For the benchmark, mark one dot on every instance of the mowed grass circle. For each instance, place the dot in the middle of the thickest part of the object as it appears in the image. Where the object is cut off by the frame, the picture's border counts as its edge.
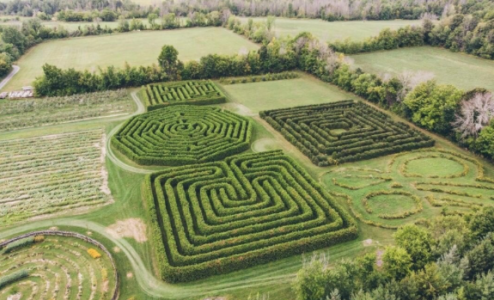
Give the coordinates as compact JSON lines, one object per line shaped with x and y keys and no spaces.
{"x":183,"y":134}
{"x":434,"y":166}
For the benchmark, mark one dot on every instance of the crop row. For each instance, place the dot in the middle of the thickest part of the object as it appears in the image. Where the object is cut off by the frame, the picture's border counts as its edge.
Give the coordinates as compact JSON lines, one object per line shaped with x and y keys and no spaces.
{"x":50,"y":174}
{"x":180,"y":93}
{"x":181,"y":134}
{"x":218,"y":217}
{"x":344,"y":131}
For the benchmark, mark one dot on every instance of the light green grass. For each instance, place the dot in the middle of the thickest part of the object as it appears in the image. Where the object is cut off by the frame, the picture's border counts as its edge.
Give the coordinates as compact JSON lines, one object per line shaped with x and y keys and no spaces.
{"x":434,"y":167}
{"x":284,"y":93}
{"x":137,"y":48}
{"x":333,"y":31}
{"x":461,"y":70}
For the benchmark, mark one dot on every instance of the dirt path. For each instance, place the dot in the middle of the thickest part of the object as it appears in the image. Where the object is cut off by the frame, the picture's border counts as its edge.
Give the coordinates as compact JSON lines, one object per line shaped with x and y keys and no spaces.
{"x":6,"y":80}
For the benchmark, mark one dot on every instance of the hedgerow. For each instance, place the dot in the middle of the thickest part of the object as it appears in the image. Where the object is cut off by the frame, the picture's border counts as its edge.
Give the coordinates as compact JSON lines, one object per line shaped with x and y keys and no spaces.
{"x":218,"y":217}
{"x":366,"y":132}
{"x":259,"y":78}
{"x":181,"y":92}
{"x":182,"y":134}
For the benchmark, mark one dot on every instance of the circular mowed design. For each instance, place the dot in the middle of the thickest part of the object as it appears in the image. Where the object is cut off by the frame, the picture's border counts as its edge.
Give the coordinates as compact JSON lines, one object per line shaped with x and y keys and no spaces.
{"x":183,"y":134}
{"x":56,"y":267}
{"x":435,"y":166}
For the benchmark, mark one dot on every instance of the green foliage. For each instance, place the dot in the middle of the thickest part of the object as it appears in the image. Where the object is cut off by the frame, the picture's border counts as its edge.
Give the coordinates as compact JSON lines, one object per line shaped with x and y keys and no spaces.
{"x":482,"y":223}
{"x":396,"y":262}
{"x":168,"y":60}
{"x":310,"y":282}
{"x":18,"y":244}
{"x":215,"y":218}
{"x":310,"y":128}
{"x":484,"y":144}
{"x":417,"y":242}
{"x":260,"y":78}
{"x":179,"y":135}
{"x":180,"y":93}
{"x":433,"y":106}
{"x":13,"y":277}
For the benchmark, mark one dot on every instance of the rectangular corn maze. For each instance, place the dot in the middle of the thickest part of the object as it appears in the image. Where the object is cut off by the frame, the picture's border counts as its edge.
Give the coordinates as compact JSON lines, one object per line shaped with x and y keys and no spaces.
{"x":344,"y":131}
{"x":199,"y":92}
{"x":213,"y":218}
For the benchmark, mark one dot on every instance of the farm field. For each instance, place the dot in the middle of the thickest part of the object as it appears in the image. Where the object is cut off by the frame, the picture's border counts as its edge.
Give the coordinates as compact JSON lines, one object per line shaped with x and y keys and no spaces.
{"x":56,"y":267}
{"x":259,"y":96}
{"x":28,"y":113}
{"x":458,"y":69}
{"x":106,"y":50}
{"x":334,"y":31}
{"x":52,"y":174}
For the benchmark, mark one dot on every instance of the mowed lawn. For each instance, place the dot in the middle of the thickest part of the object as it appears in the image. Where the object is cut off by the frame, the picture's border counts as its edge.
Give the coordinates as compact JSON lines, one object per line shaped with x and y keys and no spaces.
{"x":306,"y":90}
{"x":137,"y":48}
{"x":333,"y":31}
{"x":461,"y":70}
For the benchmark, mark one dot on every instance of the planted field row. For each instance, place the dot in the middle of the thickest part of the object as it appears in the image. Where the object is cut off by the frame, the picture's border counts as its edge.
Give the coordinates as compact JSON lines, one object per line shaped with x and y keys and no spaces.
{"x":55,"y":268}
{"x":181,"y":92}
{"x":18,"y":114}
{"x":344,"y":131}
{"x":414,"y":186}
{"x":181,"y":134}
{"x":214,"y":218}
{"x":51,"y":174}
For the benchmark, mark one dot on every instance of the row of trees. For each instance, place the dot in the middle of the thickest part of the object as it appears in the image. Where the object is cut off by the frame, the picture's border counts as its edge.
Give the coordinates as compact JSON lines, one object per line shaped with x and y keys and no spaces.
{"x":449,"y":258}
{"x":325,"y":9}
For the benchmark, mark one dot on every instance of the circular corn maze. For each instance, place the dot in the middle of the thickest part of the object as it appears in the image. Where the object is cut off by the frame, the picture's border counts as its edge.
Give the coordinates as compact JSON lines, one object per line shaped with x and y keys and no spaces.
{"x":213,"y":218}
{"x":179,"y":135}
{"x":51,"y":266}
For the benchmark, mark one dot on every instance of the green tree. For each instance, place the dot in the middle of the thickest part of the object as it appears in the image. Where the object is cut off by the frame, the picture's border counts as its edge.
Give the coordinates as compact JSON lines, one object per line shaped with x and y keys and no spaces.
{"x":168,"y":60}
{"x":485,"y":141}
{"x":152,"y":19}
{"x":310,"y":282}
{"x":396,"y":262}
{"x":482,"y":222}
{"x":434,"y":106}
{"x":417,"y":242}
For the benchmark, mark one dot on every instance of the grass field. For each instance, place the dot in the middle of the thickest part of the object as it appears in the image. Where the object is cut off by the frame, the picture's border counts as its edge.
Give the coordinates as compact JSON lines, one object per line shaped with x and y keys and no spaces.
{"x":333,"y":31}
{"x":306,"y":90}
{"x":461,"y":70}
{"x":101,"y":51}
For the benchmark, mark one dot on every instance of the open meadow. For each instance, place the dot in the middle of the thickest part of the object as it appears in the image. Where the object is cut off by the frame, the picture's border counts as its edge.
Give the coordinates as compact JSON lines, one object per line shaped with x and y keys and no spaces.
{"x":101,"y":51}
{"x":334,"y":31}
{"x":461,"y":70}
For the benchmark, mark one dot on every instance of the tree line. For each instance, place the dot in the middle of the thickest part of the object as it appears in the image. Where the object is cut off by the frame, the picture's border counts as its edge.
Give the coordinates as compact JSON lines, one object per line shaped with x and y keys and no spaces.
{"x":446,"y":258}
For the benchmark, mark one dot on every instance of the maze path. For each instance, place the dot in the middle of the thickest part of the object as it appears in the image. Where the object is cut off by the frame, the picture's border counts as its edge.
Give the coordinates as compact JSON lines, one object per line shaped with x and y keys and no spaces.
{"x":181,"y":92}
{"x":58,"y":268}
{"x":344,"y":131}
{"x":250,"y":209}
{"x":179,"y":135}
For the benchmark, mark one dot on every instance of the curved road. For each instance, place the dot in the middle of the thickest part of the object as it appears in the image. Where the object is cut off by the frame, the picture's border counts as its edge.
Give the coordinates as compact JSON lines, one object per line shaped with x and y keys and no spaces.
{"x":11,"y":74}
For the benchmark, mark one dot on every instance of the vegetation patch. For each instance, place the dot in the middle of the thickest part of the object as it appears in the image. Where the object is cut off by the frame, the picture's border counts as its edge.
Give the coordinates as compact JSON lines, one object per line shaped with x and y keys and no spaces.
{"x":259,"y":78}
{"x":367,"y":133}
{"x":51,"y":174}
{"x":57,"y":267}
{"x":181,"y":134}
{"x":19,"y":114}
{"x":180,"y":93}
{"x":218,"y":217}
{"x":378,"y":203}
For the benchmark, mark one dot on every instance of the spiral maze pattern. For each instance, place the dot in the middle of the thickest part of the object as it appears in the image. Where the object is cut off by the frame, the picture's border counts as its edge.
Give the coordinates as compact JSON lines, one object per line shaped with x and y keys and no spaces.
{"x":344,"y":131}
{"x":181,"y":92}
{"x":57,"y":268}
{"x":179,"y":135}
{"x":247,"y":210}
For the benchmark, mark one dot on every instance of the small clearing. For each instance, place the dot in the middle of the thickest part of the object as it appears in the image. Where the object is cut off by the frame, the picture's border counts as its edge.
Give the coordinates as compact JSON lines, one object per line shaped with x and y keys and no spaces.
{"x":129,"y":228}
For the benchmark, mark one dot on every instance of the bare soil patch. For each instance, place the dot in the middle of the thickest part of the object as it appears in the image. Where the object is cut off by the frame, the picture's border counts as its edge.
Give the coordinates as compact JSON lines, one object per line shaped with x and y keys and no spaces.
{"x":130,"y":228}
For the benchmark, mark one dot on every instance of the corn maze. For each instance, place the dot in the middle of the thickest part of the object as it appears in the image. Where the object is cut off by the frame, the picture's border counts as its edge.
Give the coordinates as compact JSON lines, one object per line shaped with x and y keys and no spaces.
{"x":249,"y":209}
{"x":53,"y":267}
{"x":344,"y":131}
{"x":180,"y":93}
{"x":179,"y":135}
{"x":412,"y":187}
{"x":51,"y":174}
